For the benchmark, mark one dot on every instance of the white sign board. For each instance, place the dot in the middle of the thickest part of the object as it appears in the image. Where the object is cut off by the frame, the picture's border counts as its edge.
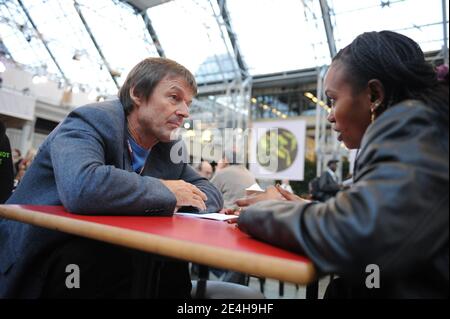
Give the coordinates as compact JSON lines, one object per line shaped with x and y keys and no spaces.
{"x":278,"y":150}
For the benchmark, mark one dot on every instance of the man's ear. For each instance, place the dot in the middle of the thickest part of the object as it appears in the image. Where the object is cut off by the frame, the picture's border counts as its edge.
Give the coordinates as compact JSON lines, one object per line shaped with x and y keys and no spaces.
{"x":377,"y":93}
{"x":136,"y":100}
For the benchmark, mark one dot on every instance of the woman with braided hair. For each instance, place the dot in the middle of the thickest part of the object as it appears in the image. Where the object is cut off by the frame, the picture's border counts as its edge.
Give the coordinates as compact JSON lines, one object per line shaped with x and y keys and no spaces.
{"x":386,"y":236}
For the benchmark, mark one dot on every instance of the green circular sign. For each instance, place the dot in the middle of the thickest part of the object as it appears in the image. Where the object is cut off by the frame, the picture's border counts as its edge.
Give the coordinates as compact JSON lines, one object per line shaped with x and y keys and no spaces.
{"x":277,"y":150}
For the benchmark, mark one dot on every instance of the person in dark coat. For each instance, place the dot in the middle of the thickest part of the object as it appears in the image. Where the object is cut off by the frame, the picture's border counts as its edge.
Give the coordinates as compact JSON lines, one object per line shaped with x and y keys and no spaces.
{"x":328,"y":183}
{"x":387,"y":235}
{"x":6,"y":166}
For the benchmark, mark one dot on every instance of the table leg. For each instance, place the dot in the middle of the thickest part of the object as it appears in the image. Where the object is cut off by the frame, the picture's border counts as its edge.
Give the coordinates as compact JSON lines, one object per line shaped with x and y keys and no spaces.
{"x":312,"y":291}
{"x":281,"y":289}
{"x":203,"y":276}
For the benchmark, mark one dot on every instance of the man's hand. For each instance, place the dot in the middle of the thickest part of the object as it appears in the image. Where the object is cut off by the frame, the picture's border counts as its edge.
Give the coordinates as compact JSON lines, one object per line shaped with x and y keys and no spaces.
{"x":186,"y":194}
{"x":271,"y":193}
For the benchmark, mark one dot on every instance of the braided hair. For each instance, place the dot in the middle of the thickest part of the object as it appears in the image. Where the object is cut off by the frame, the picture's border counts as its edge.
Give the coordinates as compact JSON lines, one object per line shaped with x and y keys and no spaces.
{"x":399,"y":64}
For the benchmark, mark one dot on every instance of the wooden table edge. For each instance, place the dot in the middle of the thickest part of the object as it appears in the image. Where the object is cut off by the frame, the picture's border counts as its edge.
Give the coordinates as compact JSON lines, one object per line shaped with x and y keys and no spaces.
{"x":257,"y":265}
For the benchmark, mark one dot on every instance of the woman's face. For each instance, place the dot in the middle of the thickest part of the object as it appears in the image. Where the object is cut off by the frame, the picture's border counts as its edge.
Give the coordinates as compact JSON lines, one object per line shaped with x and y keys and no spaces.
{"x":350,"y":114}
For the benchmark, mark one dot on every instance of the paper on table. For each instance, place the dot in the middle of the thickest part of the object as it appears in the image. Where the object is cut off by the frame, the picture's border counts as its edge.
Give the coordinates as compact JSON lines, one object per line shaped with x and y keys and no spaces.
{"x":214,"y":216}
{"x":255,"y":188}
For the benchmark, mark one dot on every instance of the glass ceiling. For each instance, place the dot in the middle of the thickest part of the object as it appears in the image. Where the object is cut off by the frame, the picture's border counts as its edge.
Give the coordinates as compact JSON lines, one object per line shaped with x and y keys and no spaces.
{"x":67,"y":39}
{"x":20,"y":39}
{"x":417,"y":19}
{"x":273,"y":35}
{"x":277,"y":36}
{"x":192,"y":33}
{"x":118,"y":31}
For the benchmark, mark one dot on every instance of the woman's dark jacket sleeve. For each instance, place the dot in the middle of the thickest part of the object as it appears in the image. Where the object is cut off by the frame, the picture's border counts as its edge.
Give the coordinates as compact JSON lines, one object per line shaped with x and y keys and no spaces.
{"x":396,"y":214}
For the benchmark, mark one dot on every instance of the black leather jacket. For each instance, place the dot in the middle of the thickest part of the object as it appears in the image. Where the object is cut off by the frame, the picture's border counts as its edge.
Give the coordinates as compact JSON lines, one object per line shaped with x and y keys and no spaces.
{"x":395,"y":216}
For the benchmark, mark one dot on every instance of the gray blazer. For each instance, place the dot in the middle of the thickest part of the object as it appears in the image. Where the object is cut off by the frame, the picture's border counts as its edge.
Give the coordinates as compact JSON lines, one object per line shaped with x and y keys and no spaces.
{"x":232,"y":182}
{"x":85,"y":166}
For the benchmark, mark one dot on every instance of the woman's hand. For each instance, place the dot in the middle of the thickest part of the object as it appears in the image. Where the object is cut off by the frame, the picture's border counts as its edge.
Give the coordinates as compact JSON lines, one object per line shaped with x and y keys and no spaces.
{"x":289,"y":196}
{"x":270,"y":194}
{"x":231,"y":211}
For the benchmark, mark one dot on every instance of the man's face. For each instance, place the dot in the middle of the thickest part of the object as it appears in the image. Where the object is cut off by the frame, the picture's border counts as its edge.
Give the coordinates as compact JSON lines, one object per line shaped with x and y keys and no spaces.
{"x":16,"y":156}
{"x":165,"y":110}
{"x":333,"y":167}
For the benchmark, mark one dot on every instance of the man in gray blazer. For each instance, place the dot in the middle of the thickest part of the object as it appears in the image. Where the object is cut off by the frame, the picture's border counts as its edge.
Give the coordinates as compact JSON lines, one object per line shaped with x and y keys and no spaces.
{"x":110,"y":158}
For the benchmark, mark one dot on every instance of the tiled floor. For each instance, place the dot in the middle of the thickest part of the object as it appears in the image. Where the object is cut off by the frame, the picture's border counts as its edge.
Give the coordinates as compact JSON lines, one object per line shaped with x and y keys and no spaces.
{"x":271,"y":288}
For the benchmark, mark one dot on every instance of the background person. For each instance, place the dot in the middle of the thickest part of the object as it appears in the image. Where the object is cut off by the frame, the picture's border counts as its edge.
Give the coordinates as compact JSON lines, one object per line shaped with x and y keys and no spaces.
{"x":6,"y":166}
{"x":232,"y":179}
{"x":17,"y":158}
{"x":205,"y":169}
{"x":328,"y":183}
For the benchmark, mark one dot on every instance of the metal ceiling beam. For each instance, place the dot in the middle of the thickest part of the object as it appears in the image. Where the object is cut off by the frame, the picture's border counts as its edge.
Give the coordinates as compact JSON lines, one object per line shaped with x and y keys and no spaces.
{"x":328,"y":27}
{"x":153,"y":35}
{"x":3,"y":49}
{"x":143,"y":5}
{"x":226,"y":18}
{"x":140,"y":9}
{"x":24,"y":9}
{"x":286,"y":78}
{"x":94,"y":41}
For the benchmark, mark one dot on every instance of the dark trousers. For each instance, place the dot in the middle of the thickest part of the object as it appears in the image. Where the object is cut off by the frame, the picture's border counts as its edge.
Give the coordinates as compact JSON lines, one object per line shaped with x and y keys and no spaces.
{"x":109,"y":271}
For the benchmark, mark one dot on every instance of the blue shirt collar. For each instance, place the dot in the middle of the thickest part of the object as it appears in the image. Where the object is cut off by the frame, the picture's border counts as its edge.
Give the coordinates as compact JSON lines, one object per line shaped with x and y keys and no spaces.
{"x":138,"y":155}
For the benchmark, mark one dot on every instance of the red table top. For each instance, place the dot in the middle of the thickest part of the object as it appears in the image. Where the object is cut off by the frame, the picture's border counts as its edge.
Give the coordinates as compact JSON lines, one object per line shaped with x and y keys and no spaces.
{"x":196,"y":230}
